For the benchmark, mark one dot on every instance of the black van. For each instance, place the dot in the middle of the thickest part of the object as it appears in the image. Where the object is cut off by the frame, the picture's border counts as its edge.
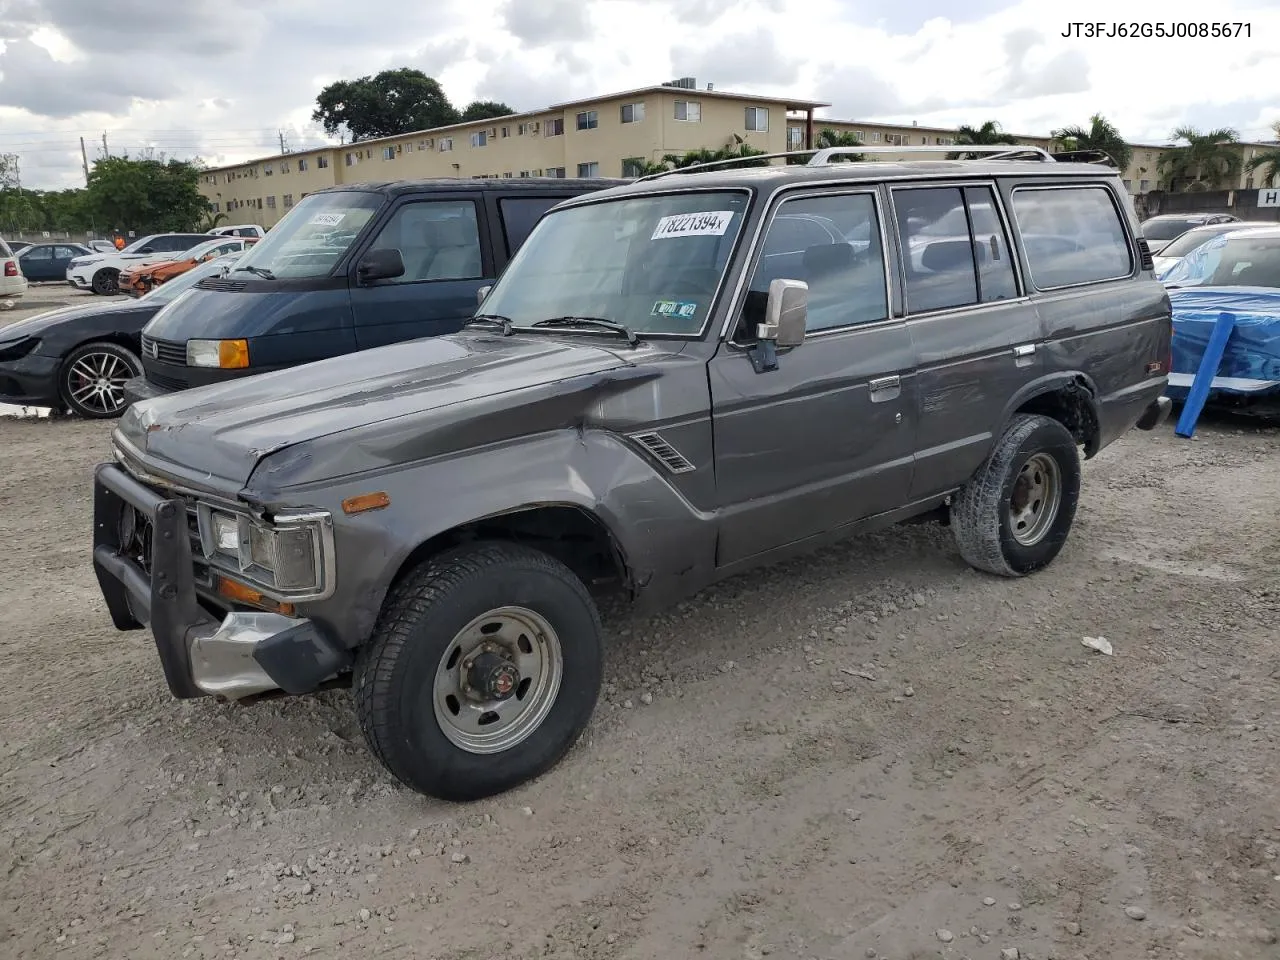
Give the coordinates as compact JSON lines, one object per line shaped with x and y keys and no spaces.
{"x":350,"y":267}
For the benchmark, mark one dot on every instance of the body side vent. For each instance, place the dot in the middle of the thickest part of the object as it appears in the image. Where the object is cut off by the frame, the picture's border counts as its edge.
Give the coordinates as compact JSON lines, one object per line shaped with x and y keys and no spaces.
{"x":1145,"y":250}
{"x":671,"y":458}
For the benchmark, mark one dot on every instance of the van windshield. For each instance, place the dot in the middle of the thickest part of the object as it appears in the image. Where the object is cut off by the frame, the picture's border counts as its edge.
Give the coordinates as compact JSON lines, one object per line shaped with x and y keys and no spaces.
{"x":313,"y":236}
{"x":651,"y":263}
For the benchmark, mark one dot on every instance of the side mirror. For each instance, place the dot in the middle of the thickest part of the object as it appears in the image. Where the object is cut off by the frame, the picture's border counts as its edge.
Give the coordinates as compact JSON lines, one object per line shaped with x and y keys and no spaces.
{"x":785,"y":314}
{"x":482,"y":293}
{"x":384,"y":264}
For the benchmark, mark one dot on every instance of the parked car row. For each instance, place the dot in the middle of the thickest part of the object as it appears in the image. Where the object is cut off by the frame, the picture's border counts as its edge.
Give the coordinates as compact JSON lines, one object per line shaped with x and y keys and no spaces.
{"x":665,"y":383}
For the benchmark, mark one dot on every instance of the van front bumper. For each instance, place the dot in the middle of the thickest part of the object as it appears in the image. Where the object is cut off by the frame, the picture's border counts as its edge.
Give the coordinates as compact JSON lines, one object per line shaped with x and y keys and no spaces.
{"x":143,"y":559}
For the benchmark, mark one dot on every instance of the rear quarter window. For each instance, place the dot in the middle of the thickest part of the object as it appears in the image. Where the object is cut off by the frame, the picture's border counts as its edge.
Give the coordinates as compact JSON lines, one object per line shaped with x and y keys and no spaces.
{"x":519,"y":214}
{"x":1071,"y":235}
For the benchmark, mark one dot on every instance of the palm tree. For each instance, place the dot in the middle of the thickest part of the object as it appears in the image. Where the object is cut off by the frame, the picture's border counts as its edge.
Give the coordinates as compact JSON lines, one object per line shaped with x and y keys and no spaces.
{"x":1268,"y":161}
{"x":989,"y":133}
{"x":1204,"y":163}
{"x":1100,"y":135}
{"x":677,"y":161}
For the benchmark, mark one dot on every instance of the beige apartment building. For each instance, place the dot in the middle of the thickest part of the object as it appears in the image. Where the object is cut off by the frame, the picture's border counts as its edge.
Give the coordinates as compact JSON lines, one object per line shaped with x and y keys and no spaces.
{"x":1144,"y":175}
{"x":609,"y":136}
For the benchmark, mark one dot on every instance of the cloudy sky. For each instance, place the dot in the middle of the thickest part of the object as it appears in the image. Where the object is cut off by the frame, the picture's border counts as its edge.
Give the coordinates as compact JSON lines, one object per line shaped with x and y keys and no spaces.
{"x":221,"y":80}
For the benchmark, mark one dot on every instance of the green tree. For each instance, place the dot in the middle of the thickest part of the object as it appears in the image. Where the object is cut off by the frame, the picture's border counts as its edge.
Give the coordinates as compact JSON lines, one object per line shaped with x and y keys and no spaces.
{"x":1268,"y":161}
{"x":1099,"y":135}
{"x":680,"y":161}
{"x":1204,"y":161}
{"x":146,"y":195}
{"x":382,"y":105}
{"x":485,"y":110}
{"x":989,"y":134}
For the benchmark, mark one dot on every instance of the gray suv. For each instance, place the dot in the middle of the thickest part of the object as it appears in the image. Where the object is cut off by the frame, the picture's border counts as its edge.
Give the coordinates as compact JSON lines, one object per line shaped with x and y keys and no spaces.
{"x":672,"y":382}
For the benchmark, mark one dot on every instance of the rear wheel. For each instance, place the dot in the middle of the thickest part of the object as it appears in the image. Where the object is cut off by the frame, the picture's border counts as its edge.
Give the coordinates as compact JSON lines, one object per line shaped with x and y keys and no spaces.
{"x":1013,"y":516}
{"x":93,"y":376}
{"x":483,"y":669}
{"x":106,"y":282}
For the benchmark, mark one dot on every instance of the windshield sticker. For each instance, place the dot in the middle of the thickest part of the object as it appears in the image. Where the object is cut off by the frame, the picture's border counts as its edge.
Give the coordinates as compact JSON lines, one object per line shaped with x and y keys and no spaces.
{"x":680,"y":309}
{"x":712,"y":223}
{"x":327,"y":219}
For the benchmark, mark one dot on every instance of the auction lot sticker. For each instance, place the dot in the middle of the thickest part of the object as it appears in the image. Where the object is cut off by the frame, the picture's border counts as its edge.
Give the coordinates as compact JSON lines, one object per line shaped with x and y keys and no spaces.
{"x":327,"y":219}
{"x":711,"y":223}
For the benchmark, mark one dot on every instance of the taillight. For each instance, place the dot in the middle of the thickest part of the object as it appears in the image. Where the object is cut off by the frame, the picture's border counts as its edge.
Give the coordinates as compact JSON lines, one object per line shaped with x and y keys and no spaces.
{"x":11,"y":268}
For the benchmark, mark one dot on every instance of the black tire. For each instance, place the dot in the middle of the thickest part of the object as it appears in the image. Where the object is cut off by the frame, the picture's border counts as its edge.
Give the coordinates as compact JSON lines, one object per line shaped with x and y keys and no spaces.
{"x":106,"y":282}
{"x":118,"y":364}
{"x":395,"y":672}
{"x":981,"y":512}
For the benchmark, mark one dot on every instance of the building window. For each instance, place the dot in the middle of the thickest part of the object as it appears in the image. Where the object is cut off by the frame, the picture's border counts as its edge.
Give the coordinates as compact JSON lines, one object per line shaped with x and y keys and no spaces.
{"x":479,"y":139}
{"x":795,"y":138}
{"x":758,"y":119}
{"x":524,"y":173}
{"x":388,"y":153}
{"x":1128,"y":186}
{"x":555,"y":127}
{"x":507,"y":176}
{"x":588,"y":120}
{"x":506,"y":132}
{"x":446,"y":144}
{"x":633,"y":167}
{"x":688,"y":110}
{"x":555,"y":172}
{"x":302,"y":164}
{"x":284,"y":166}
{"x":288,"y":200}
{"x":266,"y":170}
{"x":1248,"y":183}
{"x":351,"y":160}
{"x":322,"y":162}
{"x":1144,"y":186}
{"x":589,"y":169}
{"x":216,"y":206}
{"x":408,"y":147}
{"x":632,"y":112}
{"x":875,"y":136}
{"x":271,"y":203}
{"x":259,"y":203}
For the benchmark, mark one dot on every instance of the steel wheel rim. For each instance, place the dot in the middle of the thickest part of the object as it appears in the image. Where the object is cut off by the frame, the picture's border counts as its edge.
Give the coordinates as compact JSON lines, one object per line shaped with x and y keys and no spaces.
{"x":1034,"y":501}
{"x":96,"y":381}
{"x":476,"y":723}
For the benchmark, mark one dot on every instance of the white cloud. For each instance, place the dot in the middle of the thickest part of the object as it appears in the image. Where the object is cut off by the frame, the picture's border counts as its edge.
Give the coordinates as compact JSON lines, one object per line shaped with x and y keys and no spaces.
{"x":222,"y":86}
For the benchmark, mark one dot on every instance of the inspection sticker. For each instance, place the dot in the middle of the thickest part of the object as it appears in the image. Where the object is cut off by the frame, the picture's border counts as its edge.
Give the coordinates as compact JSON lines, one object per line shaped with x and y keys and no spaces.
{"x":327,"y":219}
{"x":711,"y":223}
{"x":681,"y":309}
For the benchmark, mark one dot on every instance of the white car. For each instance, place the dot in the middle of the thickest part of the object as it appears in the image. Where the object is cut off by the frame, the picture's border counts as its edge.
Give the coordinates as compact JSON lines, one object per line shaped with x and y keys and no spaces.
{"x":1183,"y":244}
{"x":240,"y":230}
{"x":12,"y":283}
{"x":101,"y":271}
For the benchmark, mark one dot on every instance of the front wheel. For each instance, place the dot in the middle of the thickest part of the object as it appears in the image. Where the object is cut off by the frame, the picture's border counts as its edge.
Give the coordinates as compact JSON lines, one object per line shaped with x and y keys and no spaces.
{"x":1013,"y":516}
{"x":106,"y":282}
{"x":483,"y":669}
{"x":93,"y":376}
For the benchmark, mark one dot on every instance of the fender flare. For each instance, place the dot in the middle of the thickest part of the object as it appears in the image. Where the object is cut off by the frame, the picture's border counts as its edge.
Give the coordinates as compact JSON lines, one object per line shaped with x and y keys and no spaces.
{"x":1076,"y":384}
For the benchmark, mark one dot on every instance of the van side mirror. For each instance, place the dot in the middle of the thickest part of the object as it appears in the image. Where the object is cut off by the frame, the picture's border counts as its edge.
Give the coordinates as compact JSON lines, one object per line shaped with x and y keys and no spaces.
{"x":785,"y":313}
{"x":483,"y":292}
{"x":382,"y":264}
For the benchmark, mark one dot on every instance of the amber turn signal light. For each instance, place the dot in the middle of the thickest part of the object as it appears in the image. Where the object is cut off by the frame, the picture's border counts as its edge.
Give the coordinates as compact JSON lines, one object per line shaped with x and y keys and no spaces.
{"x":240,"y":593}
{"x":364,"y":502}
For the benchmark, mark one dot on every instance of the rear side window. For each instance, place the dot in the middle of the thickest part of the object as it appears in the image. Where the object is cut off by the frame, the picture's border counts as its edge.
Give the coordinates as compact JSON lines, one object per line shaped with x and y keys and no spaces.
{"x":1071,"y":235}
{"x":519,"y":214}
{"x":957,"y":251}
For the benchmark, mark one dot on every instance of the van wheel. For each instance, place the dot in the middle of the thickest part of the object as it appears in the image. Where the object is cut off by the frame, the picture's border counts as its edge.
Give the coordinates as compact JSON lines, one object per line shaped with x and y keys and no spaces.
{"x":106,"y":282}
{"x":1014,"y":514}
{"x":483,"y":669}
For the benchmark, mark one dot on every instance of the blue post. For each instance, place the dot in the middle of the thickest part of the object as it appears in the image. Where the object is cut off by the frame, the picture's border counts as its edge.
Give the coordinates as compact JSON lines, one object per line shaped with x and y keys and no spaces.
{"x":1209,"y":364}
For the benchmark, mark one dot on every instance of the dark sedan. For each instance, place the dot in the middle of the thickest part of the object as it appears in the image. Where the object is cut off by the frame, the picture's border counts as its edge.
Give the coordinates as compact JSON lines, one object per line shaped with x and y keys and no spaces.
{"x":78,"y":358}
{"x":49,"y":261}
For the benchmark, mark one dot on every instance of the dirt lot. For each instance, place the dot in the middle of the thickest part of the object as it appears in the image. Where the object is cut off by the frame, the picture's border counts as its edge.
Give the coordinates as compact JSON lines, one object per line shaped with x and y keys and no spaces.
{"x":875,"y":752}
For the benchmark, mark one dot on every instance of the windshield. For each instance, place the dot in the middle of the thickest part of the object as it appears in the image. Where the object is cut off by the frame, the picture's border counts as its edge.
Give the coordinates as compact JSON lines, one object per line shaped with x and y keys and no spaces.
{"x":652,"y":263}
{"x":313,"y":236}
{"x":1193,"y":238}
{"x":1168,"y":229}
{"x":1230,"y":262}
{"x":140,"y":242}
{"x":185,"y":281}
{"x":195,"y":253}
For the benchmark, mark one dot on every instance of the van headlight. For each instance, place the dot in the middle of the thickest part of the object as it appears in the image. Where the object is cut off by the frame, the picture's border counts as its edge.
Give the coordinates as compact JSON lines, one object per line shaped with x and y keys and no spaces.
{"x":224,"y":354}
{"x":290,"y":559}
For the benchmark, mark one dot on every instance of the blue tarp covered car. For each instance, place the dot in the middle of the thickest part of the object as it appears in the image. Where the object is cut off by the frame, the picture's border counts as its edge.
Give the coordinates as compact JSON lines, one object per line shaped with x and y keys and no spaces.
{"x":1236,"y":273}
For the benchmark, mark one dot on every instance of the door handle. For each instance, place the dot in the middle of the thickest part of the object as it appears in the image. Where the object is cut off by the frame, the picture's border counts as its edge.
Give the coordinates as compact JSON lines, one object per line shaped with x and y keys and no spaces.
{"x":1024,"y":350}
{"x":885,"y":388}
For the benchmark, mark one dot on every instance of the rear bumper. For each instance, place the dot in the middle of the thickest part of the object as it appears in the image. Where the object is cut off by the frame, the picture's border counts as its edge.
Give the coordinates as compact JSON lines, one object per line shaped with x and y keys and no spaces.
{"x":237,"y":655}
{"x":1155,"y":414}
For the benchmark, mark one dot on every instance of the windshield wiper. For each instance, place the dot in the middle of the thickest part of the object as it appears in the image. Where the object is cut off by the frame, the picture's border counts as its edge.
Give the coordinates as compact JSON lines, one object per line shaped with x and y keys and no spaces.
{"x":262,"y":272}
{"x":590,"y":322}
{"x":493,"y":318}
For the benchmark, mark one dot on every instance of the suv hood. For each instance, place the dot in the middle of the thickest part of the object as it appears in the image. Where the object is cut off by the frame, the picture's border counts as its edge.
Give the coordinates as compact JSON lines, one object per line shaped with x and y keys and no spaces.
{"x":222,"y":431}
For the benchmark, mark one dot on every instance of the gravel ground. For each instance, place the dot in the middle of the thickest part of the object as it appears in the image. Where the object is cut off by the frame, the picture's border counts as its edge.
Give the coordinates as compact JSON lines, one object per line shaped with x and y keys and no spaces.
{"x":873,"y":752}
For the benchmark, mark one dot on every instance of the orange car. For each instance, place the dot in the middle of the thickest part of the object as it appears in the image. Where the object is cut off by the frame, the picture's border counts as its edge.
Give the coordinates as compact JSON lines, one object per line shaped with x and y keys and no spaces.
{"x":149,"y":274}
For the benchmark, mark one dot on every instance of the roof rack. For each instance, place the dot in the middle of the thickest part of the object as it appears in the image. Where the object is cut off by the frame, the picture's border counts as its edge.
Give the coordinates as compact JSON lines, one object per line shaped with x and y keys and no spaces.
{"x":821,"y":156}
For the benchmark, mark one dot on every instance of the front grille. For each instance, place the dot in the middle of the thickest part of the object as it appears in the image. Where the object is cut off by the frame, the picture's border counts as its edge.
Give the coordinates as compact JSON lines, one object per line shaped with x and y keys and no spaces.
{"x":166,"y":351}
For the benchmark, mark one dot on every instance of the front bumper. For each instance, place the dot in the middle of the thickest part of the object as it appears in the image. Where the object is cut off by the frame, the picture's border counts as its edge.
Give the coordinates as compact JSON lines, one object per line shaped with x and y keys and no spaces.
{"x":1157,"y":412}
{"x":31,"y":381}
{"x":150,"y":580}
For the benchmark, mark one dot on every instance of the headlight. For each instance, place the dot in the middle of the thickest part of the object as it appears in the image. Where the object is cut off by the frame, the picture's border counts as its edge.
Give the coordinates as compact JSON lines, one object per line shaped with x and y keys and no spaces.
{"x":290,"y":559}
{"x":224,"y":354}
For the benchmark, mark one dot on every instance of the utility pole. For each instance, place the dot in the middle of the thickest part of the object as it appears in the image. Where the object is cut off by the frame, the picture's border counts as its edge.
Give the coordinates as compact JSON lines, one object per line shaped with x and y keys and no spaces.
{"x":284,"y":148}
{"x":106,"y":153}
{"x":84,"y":158}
